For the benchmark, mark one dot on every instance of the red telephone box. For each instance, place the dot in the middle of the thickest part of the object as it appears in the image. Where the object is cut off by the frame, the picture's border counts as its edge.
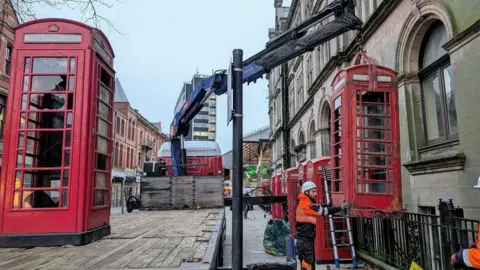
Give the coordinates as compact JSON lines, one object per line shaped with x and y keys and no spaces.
{"x":293,"y":188}
{"x":273,"y":207}
{"x":284,"y":183}
{"x":323,"y":241}
{"x":264,"y":185}
{"x":302,"y":172}
{"x":55,"y":187}
{"x":277,"y":209}
{"x":365,"y":139}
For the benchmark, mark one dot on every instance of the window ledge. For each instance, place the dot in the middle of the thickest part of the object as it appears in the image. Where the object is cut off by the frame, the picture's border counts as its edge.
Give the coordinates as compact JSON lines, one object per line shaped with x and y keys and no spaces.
{"x":441,"y":163}
{"x":299,"y":148}
{"x":440,"y":145}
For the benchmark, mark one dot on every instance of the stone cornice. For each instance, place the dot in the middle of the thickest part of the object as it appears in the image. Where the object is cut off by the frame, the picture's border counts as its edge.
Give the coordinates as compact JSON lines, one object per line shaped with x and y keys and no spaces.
{"x":439,"y":163}
{"x":277,"y":133}
{"x":464,"y":37}
{"x":407,"y":78}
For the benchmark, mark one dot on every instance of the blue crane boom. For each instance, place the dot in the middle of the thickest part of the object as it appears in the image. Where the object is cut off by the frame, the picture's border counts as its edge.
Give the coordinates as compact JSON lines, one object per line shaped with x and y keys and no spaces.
{"x":287,"y":46}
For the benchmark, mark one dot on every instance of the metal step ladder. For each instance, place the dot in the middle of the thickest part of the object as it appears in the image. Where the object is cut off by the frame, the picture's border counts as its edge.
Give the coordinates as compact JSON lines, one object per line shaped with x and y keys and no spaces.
{"x":333,"y":232}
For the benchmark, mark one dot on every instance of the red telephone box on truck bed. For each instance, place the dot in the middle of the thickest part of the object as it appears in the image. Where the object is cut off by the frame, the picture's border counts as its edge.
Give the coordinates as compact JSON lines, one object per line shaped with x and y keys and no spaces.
{"x":55,"y":186}
{"x":365,"y":139}
{"x":203,"y":157}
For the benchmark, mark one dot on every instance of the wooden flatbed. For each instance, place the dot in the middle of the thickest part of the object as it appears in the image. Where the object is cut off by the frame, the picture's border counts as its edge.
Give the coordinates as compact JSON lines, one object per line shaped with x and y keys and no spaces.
{"x":139,"y":240}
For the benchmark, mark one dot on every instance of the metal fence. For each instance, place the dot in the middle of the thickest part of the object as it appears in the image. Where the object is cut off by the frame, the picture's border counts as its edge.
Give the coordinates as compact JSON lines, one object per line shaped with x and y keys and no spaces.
{"x":428,"y":240}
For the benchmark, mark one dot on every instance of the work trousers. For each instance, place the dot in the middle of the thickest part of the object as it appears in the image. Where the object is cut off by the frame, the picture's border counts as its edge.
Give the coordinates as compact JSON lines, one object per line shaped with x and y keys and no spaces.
{"x":306,"y":253}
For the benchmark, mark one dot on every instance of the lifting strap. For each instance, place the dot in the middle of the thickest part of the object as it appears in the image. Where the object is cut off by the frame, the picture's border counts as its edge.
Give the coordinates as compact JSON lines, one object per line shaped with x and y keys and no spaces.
{"x":333,"y":230}
{"x":372,"y":67}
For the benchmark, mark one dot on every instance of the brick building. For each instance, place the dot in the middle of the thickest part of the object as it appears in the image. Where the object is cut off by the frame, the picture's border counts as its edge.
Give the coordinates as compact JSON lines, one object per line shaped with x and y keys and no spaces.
{"x":434,"y":45}
{"x":8,"y":21}
{"x":136,"y":140}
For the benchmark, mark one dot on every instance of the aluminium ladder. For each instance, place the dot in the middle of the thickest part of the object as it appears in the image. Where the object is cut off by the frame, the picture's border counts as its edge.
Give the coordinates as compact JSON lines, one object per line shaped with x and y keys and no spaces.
{"x":333,"y":232}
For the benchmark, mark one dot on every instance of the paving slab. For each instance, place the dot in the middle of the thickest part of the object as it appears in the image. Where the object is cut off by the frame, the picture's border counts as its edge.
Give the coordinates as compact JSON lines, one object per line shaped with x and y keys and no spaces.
{"x":253,"y":230}
{"x":253,"y":251}
{"x":139,"y":240}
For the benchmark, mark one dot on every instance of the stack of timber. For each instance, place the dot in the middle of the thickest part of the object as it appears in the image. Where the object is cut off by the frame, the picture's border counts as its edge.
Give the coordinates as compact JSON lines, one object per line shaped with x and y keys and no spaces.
{"x":160,"y":193}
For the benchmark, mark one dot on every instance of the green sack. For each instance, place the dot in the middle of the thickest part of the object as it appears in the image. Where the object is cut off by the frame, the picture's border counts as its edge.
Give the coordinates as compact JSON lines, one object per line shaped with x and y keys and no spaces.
{"x":274,"y":237}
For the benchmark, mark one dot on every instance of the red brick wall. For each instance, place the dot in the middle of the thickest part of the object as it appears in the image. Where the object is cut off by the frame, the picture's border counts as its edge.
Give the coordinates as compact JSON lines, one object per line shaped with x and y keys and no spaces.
{"x":142,"y":130}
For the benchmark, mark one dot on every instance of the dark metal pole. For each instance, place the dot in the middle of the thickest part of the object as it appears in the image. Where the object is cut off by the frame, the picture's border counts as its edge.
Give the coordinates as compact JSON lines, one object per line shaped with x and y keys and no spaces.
{"x":237,"y":219}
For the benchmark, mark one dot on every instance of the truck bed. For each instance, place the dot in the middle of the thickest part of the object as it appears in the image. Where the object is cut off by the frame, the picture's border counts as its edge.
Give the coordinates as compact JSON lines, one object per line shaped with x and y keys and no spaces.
{"x":139,"y":240}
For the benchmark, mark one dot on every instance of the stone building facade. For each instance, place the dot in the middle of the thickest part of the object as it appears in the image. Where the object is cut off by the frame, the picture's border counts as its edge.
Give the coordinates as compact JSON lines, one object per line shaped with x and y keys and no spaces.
{"x":434,"y":45}
{"x":8,"y":20}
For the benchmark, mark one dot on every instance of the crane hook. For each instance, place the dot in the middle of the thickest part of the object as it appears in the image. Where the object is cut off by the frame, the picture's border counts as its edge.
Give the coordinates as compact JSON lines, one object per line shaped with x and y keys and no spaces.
{"x":359,"y":41}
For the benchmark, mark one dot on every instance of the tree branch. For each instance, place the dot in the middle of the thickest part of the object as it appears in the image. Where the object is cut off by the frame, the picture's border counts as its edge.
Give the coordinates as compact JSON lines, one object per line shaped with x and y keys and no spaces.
{"x":25,"y":9}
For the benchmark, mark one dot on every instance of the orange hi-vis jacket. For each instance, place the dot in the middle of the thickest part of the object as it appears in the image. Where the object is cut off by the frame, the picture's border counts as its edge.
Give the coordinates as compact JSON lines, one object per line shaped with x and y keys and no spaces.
{"x":470,"y":257}
{"x":307,"y":213}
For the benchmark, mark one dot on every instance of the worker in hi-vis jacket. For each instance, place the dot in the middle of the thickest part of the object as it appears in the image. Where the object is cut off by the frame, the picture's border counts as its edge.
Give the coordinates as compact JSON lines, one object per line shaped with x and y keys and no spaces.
{"x":469,"y":257}
{"x":306,"y":216}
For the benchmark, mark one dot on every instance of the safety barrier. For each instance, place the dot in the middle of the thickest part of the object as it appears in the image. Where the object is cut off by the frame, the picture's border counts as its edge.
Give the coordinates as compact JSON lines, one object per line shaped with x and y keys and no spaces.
{"x":427,"y":240}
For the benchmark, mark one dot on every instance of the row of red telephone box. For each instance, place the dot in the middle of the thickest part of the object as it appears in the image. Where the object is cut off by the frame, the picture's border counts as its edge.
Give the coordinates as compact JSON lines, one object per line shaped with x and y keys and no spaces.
{"x":289,"y":182}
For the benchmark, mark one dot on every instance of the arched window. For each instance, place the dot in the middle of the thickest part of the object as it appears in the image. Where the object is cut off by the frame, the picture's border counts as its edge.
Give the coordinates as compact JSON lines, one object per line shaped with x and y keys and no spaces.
{"x":301,"y":138}
{"x":133,"y":131}
{"x":293,"y":160}
{"x":120,"y":157}
{"x":312,"y":140}
{"x":129,"y":129}
{"x":128,"y":158}
{"x":324,"y":129}
{"x":131,"y":159}
{"x":122,"y":128}
{"x":117,"y":125}
{"x":440,"y":114}
{"x":302,"y":153}
{"x":116,"y":154}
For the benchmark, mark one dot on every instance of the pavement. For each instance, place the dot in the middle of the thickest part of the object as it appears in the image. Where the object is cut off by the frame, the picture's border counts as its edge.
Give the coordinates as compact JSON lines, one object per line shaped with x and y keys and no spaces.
{"x":253,"y":229}
{"x":253,"y":252}
{"x":115,"y":211}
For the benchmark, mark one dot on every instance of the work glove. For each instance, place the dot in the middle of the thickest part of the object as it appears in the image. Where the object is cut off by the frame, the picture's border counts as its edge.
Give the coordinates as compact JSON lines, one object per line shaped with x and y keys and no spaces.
{"x":453,"y":259}
{"x":346,"y":205}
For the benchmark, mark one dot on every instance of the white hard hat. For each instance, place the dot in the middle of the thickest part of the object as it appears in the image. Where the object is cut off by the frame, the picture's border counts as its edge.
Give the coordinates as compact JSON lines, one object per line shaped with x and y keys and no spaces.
{"x":308,"y":185}
{"x":478,"y":183}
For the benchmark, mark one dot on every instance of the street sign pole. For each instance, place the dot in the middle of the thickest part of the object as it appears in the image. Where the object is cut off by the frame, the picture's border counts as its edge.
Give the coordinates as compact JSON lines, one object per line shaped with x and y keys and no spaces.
{"x":229,"y":93}
{"x":237,"y":148}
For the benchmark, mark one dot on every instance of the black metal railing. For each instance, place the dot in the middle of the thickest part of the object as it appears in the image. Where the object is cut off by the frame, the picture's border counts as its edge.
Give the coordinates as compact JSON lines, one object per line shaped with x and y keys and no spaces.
{"x":427,"y":240}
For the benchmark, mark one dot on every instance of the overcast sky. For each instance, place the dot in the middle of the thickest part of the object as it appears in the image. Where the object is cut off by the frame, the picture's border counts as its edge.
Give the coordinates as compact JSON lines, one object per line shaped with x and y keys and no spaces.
{"x":164,"y":42}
